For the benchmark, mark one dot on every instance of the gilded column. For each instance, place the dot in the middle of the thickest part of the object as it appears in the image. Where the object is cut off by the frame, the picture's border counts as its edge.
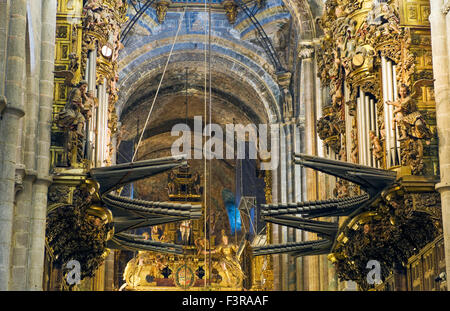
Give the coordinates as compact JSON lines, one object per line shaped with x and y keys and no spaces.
{"x":440,"y":47}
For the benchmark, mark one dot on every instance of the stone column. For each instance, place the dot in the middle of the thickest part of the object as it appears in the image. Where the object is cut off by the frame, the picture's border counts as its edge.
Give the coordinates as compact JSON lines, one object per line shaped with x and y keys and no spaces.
{"x":298,"y":185}
{"x":307,"y":99}
{"x":43,"y":180}
{"x":440,"y":48}
{"x":4,"y":18}
{"x":290,"y":143}
{"x":24,"y":203}
{"x":277,"y":273}
{"x":283,"y":199}
{"x":9,"y":125}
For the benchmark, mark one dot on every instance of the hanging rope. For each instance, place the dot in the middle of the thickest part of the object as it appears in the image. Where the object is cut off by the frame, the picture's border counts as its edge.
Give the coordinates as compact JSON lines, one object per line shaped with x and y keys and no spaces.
{"x":210,"y":129}
{"x":160,"y":82}
{"x":207,"y":245}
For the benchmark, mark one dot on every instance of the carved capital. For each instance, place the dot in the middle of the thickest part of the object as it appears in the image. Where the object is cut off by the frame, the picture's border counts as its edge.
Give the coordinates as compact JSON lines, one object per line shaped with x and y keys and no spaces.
{"x":446,"y":7}
{"x":284,"y":79}
{"x":18,"y":179}
{"x":161,"y":9}
{"x":306,"y":51}
{"x":231,"y":10}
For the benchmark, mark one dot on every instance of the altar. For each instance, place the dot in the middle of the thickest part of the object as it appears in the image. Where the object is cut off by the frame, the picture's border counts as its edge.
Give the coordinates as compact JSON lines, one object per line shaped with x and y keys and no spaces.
{"x":205,"y":264}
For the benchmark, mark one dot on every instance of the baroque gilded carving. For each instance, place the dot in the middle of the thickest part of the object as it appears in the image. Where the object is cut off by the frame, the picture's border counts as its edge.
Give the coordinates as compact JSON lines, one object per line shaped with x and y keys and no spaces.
{"x":358,"y":34}
{"x":377,"y":149}
{"x":72,"y":118}
{"x":102,"y":21}
{"x":59,"y":194}
{"x":394,"y":230}
{"x":349,"y":57}
{"x":413,"y":130}
{"x":329,"y":128}
{"x":354,"y":141}
{"x":75,"y":234}
{"x":429,"y":203}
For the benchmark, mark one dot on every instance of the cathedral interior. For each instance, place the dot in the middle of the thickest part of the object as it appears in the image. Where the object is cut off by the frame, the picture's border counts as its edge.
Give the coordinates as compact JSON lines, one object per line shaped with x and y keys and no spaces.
{"x":307,"y":150}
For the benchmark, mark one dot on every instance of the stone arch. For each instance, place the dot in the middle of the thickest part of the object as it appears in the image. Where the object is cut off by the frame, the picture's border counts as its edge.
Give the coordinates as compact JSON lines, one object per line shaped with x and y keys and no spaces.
{"x":148,"y":66}
{"x":303,"y":16}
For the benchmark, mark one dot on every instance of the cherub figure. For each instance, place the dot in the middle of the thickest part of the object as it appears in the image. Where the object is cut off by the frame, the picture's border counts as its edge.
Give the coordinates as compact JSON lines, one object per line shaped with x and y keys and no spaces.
{"x":90,"y":103}
{"x":398,"y":116}
{"x":376,"y":145}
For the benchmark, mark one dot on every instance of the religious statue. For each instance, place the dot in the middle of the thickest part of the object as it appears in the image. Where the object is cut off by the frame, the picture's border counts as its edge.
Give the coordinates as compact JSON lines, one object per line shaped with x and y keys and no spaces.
{"x":197,"y":181}
{"x":92,"y":13}
{"x":171,"y":183}
{"x":337,"y":74}
{"x":145,"y":265}
{"x":73,"y":62}
{"x":342,"y":188}
{"x":92,"y":5}
{"x":90,"y":103}
{"x":287,"y":102}
{"x":229,"y":266}
{"x":340,"y":10}
{"x":377,"y":149}
{"x":410,"y":120}
{"x":184,"y":235}
{"x":200,"y":245}
{"x":131,"y":275}
{"x":324,"y":128}
{"x":73,"y":114}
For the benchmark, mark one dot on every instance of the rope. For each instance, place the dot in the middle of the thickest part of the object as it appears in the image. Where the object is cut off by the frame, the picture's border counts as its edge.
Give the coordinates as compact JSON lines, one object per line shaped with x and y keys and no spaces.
{"x":210,"y":121}
{"x":160,"y":82}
